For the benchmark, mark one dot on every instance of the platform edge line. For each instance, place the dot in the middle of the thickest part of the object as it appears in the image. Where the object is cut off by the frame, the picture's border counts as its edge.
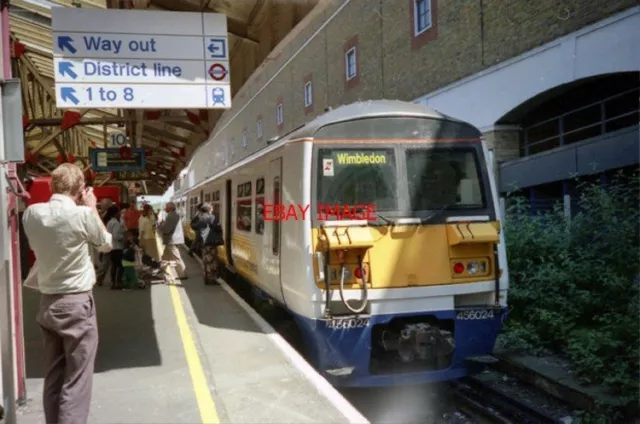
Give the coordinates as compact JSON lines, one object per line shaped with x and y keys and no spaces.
{"x":204,"y":399}
{"x":319,"y":382}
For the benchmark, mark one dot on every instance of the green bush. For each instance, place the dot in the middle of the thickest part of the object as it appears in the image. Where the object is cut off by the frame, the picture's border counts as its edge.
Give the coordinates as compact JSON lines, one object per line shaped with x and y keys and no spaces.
{"x":575,"y":285}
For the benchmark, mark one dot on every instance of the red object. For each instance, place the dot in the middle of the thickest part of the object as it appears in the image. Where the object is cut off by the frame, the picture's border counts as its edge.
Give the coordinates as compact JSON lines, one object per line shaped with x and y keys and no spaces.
{"x":217,"y":71}
{"x":182,"y":151}
{"x":25,"y":122}
{"x":93,"y":143}
{"x":148,"y":152}
{"x":18,"y":49}
{"x":358,"y":273}
{"x":60,"y":159}
{"x":193,"y":118}
{"x":152,"y":115}
{"x":72,"y":158}
{"x":125,"y":152}
{"x":458,"y":268}
{"x":70,"y":119}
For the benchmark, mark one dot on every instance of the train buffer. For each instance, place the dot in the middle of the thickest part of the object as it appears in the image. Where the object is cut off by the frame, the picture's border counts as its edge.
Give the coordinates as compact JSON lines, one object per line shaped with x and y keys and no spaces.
{"x":188,"y":353}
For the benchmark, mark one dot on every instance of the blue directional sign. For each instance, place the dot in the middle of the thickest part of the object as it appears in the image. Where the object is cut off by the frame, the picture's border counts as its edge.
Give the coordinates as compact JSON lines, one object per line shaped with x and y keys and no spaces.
{"x":68,"y":94}
{"x":147,"y":64}
{"x":110,"y":160}
{"x":217,"y":48}
{"x":66,"y":43}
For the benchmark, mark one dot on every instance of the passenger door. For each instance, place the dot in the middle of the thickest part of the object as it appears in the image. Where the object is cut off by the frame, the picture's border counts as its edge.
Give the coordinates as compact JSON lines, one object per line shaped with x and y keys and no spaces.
{"x":275,"y":175}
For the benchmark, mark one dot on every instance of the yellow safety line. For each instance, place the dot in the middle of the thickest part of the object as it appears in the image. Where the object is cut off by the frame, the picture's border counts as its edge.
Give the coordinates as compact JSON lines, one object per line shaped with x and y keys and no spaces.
{"x":206,"y":405}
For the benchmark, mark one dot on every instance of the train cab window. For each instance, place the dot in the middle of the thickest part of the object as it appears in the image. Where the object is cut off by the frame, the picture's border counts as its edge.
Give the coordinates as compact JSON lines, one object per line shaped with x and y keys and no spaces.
{"x":244,"y":204}
{"x":260,"y":206}
{"x":444,"y":178}
{"x":351,"y":177}
{"x":275,"y":236}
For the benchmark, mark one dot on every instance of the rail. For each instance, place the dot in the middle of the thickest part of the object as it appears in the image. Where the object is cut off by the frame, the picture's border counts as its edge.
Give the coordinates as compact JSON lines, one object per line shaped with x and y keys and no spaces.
{"x":599,"y":126}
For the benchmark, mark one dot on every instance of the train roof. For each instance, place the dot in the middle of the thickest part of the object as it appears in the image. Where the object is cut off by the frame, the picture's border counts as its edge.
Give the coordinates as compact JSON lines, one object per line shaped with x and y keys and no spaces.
{"x":367,"y":109}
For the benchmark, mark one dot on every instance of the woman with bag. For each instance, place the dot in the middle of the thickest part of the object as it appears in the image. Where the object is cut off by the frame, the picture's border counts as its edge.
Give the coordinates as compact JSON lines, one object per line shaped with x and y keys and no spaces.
{"x":210,"y":232}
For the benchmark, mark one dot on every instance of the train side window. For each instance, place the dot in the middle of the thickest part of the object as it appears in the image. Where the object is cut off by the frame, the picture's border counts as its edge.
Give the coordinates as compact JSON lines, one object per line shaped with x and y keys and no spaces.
{"x":260,"y":206}
{"x":275,"y":239}
{"x":244,"y":204}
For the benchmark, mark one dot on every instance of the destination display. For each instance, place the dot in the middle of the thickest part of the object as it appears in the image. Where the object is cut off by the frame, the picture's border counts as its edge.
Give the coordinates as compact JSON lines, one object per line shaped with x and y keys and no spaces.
{"x":112,"y":160}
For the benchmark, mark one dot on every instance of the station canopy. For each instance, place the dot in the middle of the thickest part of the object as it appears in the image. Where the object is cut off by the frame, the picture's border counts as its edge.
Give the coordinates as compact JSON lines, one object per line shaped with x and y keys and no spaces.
{"x":169,"y":137}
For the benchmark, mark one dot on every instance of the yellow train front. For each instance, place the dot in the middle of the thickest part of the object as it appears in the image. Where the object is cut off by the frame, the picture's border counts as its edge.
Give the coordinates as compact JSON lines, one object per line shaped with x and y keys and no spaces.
{"x":376,"y":228}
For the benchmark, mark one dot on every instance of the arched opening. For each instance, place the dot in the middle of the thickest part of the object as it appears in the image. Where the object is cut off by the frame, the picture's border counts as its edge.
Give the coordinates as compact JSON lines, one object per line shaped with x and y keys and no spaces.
{"x":577,"y":111}
{"x":587,"y":128}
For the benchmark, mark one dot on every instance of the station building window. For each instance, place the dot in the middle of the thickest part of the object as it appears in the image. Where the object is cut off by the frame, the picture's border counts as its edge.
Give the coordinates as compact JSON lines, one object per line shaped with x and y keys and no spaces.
{"x":244,"y":204}
{"x":308,"y":94}
{"x":259,"y":127}
{"x":260,"y":206}
{"x":279,"y":115}
{"x":421,"y":16}
{"x":350,"y":63}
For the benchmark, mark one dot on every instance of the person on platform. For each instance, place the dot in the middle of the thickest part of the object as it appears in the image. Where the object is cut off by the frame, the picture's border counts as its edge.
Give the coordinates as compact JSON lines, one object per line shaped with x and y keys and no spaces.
{"x":147,"y":228}
{"x":172,"y":237}
{"x":60,"y":233}
{"x":131,"y":217}
{"x":112,"y":221}
{"x":196,"y":246}
{"x":130,"y":276}
{"x":104,"y":259}
{"x":208,"y":228}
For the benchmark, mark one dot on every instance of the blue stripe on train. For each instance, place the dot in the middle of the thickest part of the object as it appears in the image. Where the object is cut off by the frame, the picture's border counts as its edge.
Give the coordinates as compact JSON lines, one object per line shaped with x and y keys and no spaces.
{"x":330,"y":349}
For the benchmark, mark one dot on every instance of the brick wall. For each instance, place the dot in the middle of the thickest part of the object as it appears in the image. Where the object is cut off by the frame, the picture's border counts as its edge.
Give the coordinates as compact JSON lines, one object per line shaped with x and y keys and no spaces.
{"x":465,"y":37}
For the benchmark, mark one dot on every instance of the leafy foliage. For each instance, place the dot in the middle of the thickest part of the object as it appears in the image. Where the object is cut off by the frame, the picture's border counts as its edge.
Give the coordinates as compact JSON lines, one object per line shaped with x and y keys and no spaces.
{"x":575,"y":285}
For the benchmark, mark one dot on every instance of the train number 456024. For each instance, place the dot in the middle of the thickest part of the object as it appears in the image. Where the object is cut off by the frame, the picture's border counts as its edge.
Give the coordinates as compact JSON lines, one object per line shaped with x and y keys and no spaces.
{"x":474,"y":314}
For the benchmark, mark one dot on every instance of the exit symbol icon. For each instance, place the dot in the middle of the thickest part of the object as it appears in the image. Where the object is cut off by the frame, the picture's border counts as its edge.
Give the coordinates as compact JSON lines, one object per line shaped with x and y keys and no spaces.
{"x":218,"y":48}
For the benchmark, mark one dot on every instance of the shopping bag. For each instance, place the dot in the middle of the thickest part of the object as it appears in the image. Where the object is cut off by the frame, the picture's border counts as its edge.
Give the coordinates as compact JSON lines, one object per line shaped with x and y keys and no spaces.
{"x":31,"y":281}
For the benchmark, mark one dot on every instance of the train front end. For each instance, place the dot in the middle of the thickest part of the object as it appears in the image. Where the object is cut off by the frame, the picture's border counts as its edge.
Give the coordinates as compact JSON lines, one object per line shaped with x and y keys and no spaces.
{"x":408,"y":255}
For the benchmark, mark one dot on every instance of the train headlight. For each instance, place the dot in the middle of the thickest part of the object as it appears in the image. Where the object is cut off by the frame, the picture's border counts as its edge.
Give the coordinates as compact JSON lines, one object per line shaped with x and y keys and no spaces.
{"x":473,"y":267}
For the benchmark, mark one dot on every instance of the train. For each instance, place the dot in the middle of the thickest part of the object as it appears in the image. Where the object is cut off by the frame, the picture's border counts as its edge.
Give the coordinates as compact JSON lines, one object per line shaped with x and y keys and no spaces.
{"x":375,"y":228}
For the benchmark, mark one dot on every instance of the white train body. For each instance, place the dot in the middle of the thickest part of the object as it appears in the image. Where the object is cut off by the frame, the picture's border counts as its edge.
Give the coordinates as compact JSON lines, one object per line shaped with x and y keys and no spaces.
{"x":405,"y":258}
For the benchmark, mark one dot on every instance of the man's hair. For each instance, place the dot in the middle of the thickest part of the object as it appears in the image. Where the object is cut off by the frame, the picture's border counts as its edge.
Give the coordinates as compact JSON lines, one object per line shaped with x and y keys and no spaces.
{"x":106,"y":203}
{"x":205,"y":208}
{"x":67,"y":179}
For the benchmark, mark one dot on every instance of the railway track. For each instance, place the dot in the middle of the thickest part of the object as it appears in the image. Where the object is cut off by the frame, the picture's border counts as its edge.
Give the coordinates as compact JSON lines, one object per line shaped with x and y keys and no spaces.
{"x":487,"y":405}
{"x":470,"y":396}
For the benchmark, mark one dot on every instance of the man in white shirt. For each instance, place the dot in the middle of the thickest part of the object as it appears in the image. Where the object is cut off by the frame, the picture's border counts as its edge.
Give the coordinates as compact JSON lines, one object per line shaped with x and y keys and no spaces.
{"x":60,"y":233}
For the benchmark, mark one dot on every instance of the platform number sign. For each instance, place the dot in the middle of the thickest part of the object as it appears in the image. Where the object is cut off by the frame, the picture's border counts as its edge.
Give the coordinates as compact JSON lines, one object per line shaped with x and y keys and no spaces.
{"x":117,"y":140}
{"x":327,"y":167}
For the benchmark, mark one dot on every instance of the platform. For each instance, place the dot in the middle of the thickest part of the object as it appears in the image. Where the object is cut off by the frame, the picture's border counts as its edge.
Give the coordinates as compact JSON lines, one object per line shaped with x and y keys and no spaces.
{"x":189,"y":353}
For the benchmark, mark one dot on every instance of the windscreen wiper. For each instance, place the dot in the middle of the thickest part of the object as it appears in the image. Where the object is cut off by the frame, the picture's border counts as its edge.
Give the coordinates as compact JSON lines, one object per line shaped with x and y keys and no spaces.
{"x":409,"y":221}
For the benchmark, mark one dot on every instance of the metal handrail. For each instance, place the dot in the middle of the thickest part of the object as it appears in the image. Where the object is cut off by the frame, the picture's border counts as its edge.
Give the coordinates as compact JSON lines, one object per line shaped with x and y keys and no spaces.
{"x":560,"y":120}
